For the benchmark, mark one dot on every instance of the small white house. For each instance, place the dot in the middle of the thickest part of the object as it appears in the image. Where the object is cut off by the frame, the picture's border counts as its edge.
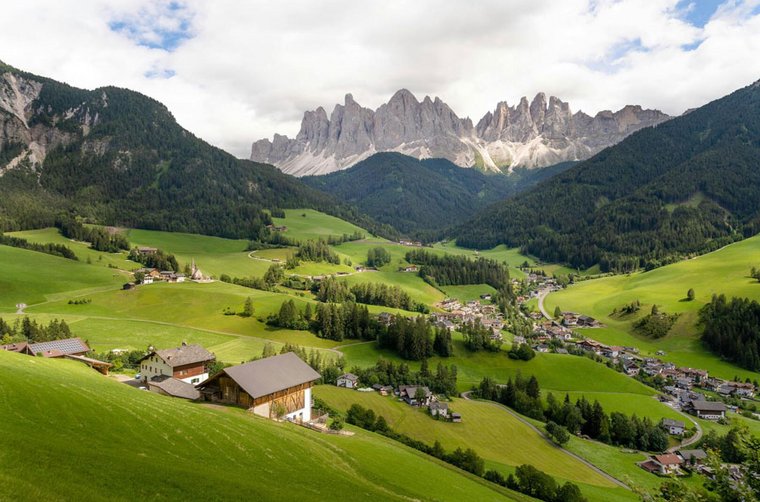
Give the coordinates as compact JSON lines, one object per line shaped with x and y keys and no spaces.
{"x":348,"y":380}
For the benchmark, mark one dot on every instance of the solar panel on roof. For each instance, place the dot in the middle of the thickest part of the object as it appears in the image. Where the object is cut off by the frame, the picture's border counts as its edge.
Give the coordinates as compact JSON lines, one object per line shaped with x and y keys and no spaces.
{"x":67,"y":346}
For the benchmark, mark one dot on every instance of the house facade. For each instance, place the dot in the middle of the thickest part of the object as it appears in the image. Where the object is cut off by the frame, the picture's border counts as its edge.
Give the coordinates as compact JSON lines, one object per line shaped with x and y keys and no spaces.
{"x":348,"y":380}
{"x":188,"y":363}
{"x":274,"y":387}
{"x":708,"y":410}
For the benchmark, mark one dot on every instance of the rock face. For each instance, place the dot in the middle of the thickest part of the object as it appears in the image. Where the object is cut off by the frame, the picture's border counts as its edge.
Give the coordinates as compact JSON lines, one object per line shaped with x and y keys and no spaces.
{"x":535,"y":134}
{"x":25,"y":138}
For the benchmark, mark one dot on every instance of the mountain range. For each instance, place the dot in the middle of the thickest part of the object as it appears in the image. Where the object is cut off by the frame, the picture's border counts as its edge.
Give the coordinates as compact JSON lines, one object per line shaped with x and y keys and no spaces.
{"x":115,"y":156}
{"x":685,"y":187}
{"x":531,"y":134}
{"x":423,"y":197}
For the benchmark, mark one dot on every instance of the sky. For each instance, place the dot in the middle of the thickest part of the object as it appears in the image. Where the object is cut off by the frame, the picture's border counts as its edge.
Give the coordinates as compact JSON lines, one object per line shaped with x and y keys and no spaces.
{"x":233,"y":72}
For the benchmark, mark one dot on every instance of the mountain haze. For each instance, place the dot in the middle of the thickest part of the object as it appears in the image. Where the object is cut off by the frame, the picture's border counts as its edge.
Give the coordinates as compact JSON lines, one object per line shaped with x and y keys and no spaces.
{"x":686,"y":186}
{"x":531,"y":134}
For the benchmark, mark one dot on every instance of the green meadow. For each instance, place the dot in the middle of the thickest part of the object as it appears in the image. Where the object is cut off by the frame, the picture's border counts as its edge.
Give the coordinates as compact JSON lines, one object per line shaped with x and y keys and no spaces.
{"x":500,"y":438}
{"x":307,"y":224}
{"x":95,"y":438}
{"x":725,"y":271}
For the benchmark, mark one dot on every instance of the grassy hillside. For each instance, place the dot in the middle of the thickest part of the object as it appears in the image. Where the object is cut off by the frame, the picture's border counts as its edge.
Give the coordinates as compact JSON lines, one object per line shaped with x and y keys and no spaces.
{"x":30,"y":277}
{"x":500,"y":438}
{"x":724,"y":271}
{"x":686,"y":186}
{"x":95,"y":438}
{"x":304,"y":224}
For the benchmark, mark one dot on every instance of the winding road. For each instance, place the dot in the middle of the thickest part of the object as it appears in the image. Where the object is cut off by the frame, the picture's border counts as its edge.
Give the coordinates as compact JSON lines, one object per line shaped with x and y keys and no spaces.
{"x":466,"y":395}
{"x":541,"y":297}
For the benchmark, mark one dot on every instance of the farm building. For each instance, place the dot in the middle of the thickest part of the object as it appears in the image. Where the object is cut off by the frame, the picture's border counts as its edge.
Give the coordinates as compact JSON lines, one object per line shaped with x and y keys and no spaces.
{"x":187,"y":363}
{"x":675,"y":427}
{"x":59,"y":348}
{"x":439,"y":409}
{"x":348,"y":380}
{"x":278,"y":386}
{"x":173,"y":387}
{"x":708,"y":410}
{"x":409,"y":394}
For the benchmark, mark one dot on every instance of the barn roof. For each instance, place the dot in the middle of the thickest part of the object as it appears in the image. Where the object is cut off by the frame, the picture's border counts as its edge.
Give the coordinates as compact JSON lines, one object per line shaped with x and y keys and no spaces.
{"x":175,"y":387}
{"x":269,"y":375}
{"x":59,"y":348}
{"x":183,"y":355}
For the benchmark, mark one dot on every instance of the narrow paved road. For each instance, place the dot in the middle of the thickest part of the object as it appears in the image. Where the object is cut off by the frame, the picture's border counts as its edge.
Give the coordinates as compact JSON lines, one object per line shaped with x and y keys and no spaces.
{"x":466,"y":395}
{"x":688,"y":441}
{"x":541,"y":297}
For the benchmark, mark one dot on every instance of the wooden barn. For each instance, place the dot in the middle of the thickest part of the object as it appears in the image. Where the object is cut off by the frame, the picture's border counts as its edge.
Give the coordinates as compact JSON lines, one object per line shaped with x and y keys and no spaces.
{"x":275,"y":387}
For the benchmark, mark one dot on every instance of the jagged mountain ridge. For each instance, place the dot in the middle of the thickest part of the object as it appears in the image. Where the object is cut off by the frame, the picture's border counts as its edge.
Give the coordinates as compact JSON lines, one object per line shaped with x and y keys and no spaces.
{"x":531,"y":134}
{"x":117,"y":157}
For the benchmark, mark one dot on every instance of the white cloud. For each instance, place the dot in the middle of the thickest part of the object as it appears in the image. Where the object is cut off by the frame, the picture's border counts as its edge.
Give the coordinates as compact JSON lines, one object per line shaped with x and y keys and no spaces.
{"x":250,"y":69}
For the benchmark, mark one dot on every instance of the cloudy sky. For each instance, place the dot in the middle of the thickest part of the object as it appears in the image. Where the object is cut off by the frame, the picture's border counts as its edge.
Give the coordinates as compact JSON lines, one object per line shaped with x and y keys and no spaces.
{"x":236,"y":71}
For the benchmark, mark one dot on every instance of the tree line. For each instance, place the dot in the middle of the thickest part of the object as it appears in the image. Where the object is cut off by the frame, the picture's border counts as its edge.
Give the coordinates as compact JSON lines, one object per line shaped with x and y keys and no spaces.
{"x":29,"y":330}
{"x":732,"y":330}
{"x":51,"y":249}
{"x":581,"y":417}
{"x":451,"y":270}
{"x":99,"y":238}
{"x":527,"y":479}
{"x":371,"y":293}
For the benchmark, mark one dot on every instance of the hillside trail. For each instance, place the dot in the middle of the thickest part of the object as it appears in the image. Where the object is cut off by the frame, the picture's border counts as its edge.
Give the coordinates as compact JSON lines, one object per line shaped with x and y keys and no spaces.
{"x":688,"y":441}
{"x":466,"y":395}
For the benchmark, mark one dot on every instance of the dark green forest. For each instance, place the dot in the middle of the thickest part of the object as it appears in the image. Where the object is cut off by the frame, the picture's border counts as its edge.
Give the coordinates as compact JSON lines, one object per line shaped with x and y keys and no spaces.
{"x":135,"y":166}
{"x":687,"y":186}
{"x":732,"y":330}
{"x":422,"y":197}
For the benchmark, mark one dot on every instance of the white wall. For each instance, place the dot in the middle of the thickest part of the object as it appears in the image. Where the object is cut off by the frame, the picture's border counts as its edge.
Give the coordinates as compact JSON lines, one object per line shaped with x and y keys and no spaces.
{"x":154,"y":366}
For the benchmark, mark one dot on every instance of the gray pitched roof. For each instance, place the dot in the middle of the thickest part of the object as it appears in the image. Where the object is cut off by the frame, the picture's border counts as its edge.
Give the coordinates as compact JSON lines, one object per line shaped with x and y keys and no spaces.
{"x":697,"y":454}
{"x":266,"y":376}
{"x":669,"y":422}
{"x":175,"y":387}
{"x":185,"y":354}
{"x":60,"y":347}
{"x":708,"y":406}
{"x":349,"y":376}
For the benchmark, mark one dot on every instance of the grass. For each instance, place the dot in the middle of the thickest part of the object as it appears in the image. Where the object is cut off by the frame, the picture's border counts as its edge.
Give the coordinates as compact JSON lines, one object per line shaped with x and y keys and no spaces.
{"x":81,"y":249}
{"x":724,"y":271}
{"x":469,"y":292}
{"x":30,"y":277}
{"x":500,"y":438}
{"x":305,"y":224}
{"x":95,"y":438}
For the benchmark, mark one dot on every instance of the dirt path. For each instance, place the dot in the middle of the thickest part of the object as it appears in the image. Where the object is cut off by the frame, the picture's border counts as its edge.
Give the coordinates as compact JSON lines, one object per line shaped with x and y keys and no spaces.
{"x":466,"y":395}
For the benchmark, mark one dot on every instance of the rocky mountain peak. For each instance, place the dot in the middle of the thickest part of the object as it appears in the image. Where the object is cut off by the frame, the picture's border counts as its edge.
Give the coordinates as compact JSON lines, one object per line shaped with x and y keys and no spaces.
{"x":535,"y":133}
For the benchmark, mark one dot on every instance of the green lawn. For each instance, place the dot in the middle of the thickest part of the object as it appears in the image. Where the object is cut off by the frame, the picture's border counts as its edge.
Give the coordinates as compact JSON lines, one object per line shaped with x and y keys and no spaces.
{"x":500,"y":438}
{"x":305,"y":224}
{"x":469,"y":292}
{"x":81,"y":249}
{"x":30,"y":277}
{"x":95,"y":438}
{"x":724,"y":271}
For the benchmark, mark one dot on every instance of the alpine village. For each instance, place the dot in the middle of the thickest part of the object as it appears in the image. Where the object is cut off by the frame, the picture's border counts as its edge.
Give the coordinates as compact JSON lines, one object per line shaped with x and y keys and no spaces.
{"x":559,"y":301}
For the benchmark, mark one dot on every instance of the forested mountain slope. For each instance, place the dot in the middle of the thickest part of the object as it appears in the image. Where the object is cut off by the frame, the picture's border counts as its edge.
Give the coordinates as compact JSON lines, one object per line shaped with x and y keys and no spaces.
{"x":120,"y":158}
{"x":422,"y":197}
{"x":686,"y":186}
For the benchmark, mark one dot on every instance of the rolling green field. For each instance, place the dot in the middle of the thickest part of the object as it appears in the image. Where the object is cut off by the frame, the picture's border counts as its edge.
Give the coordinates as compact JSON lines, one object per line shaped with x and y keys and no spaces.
{"x":32,"y":278}
{"x":305,"y":224}
{"x":500,"y":438}
{"x":469,"y":292}
{"x":723,"y":271}
{"x":95,"y":438}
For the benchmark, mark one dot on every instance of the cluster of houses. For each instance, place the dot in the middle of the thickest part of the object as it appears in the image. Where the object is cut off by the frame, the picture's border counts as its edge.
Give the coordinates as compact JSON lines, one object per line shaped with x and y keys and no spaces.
{"x":69,"y":348}
{"x":275,"y":387}
{"x":412,"y":244}
{"x":151,"y":275}
{"x":277,"y":228}
{"x":413,"y":395}
{"x":668,"y":464}
{"x":457,"y":314}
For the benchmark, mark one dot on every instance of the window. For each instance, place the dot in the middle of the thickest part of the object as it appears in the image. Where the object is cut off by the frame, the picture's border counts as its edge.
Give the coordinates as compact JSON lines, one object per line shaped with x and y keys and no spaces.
{"x":195,"y":380}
